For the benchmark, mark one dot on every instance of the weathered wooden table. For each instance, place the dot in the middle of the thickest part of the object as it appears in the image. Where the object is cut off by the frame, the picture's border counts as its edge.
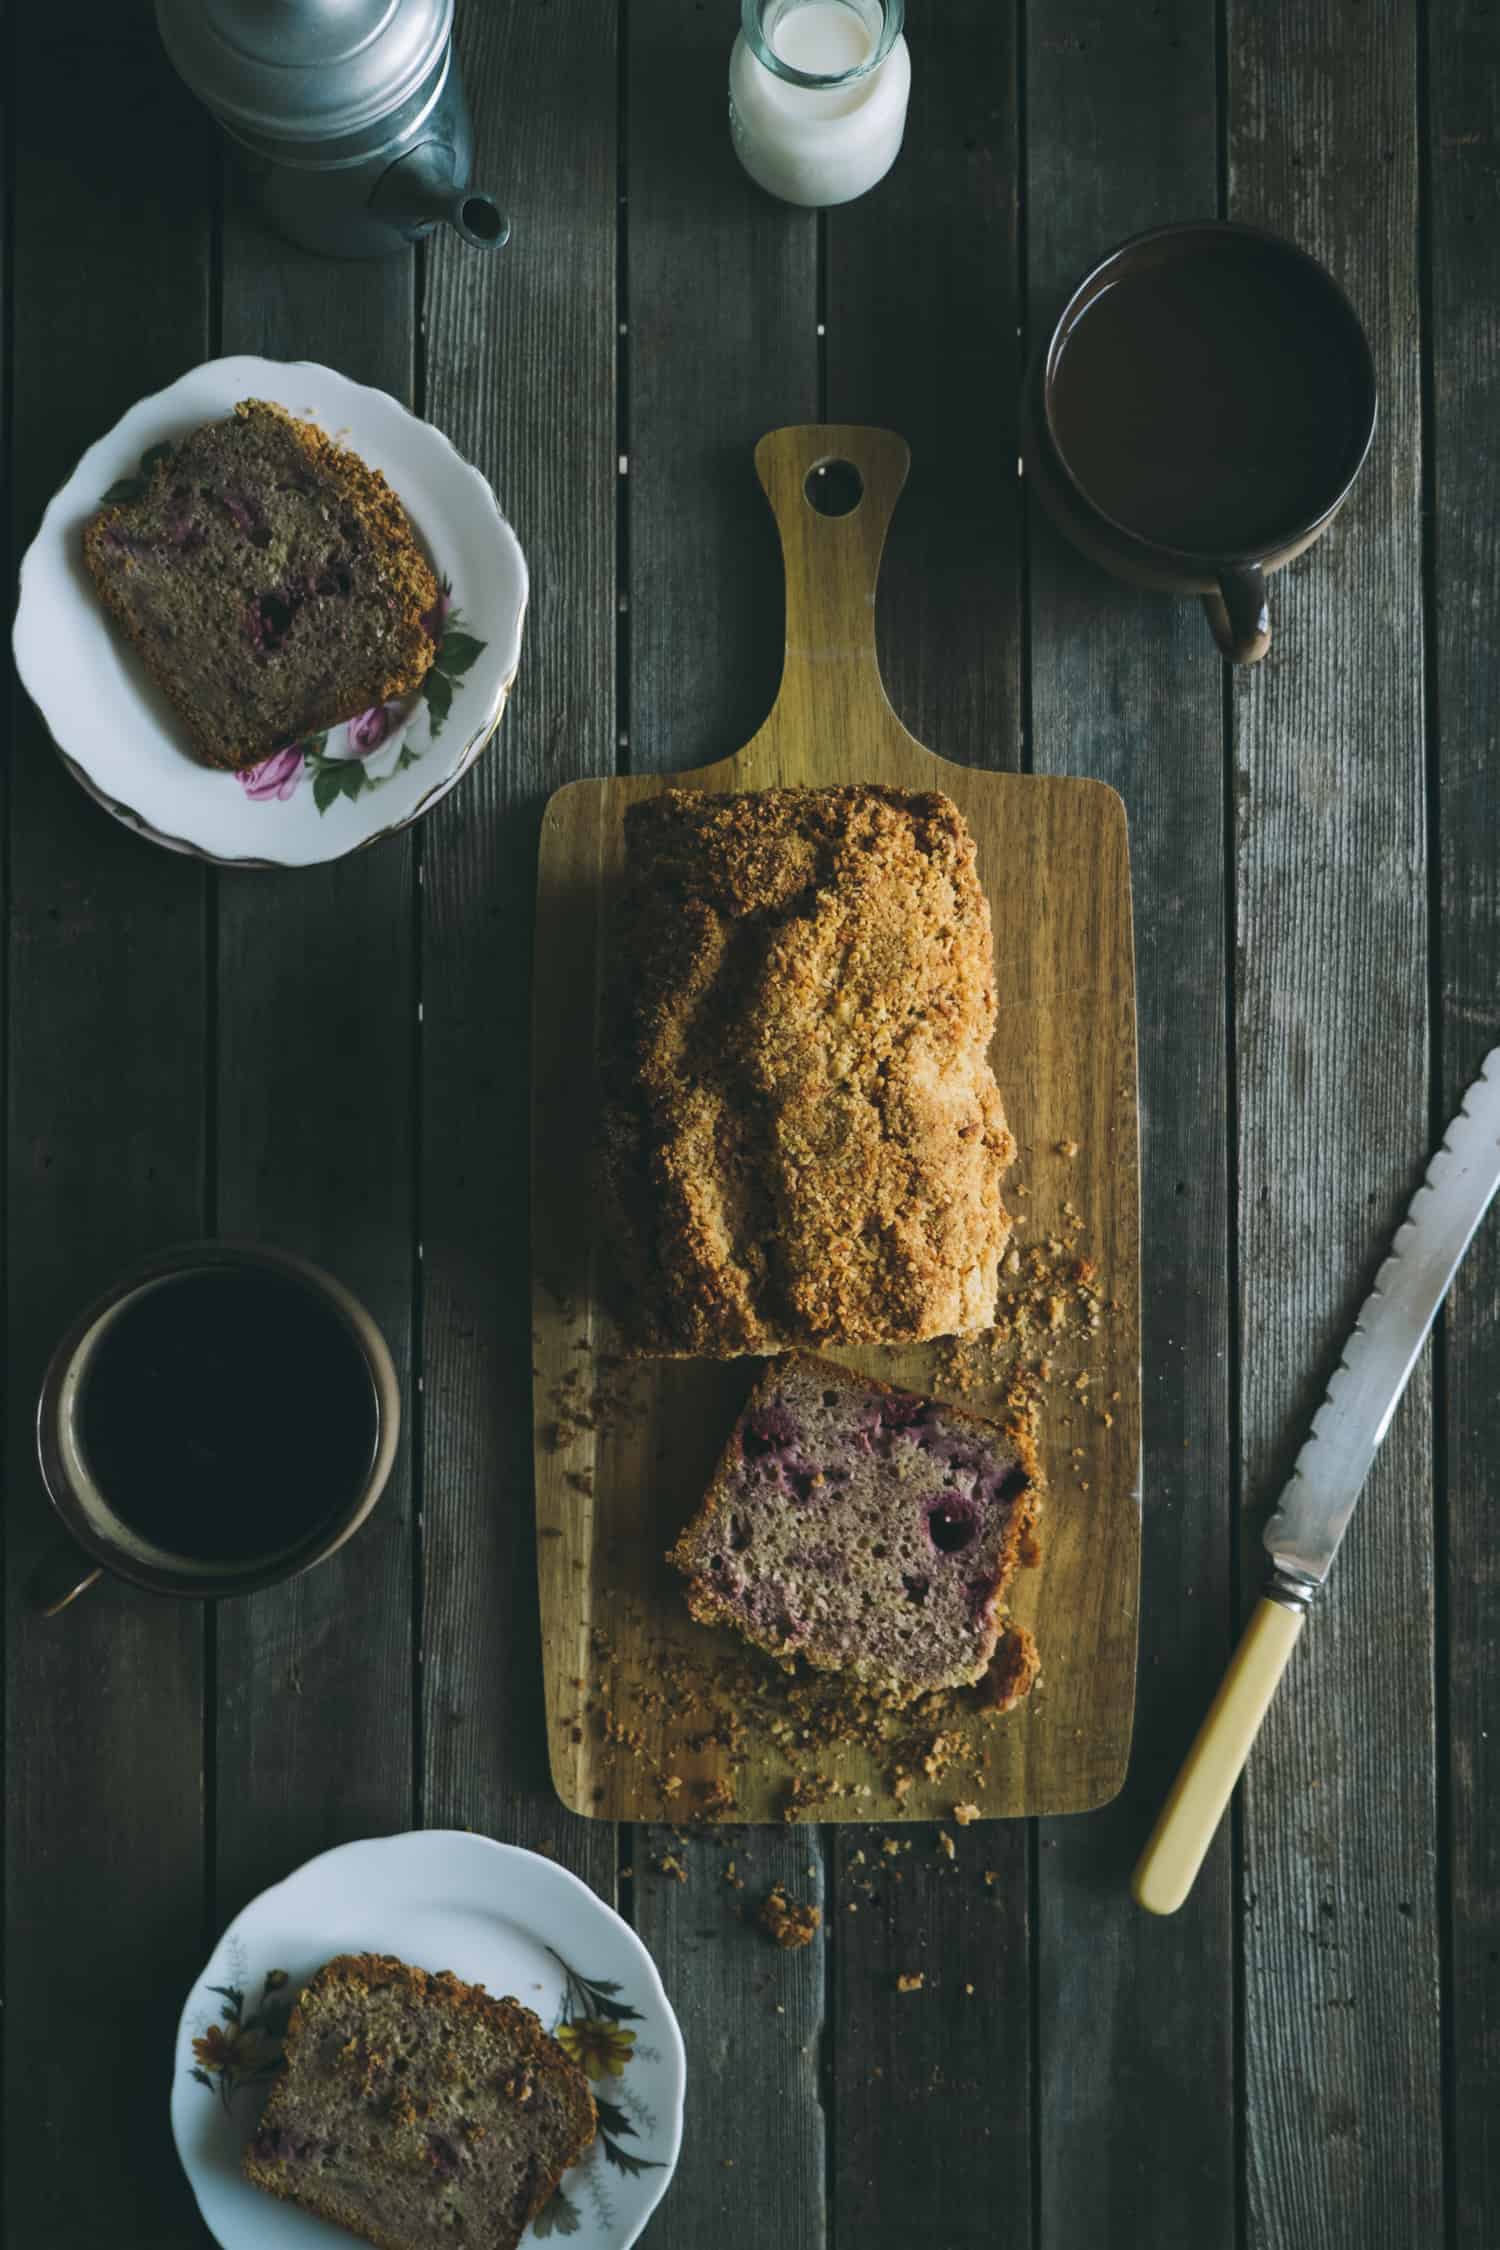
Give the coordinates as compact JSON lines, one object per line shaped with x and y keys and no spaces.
{"x":1310,"y":2053}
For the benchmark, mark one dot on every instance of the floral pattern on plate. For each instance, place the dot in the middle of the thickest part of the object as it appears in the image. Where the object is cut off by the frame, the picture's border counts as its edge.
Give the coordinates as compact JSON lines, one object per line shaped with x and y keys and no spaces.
{"x":593,"y":2026}
{"x":371,"y":749}
{"x":239,"y":2050}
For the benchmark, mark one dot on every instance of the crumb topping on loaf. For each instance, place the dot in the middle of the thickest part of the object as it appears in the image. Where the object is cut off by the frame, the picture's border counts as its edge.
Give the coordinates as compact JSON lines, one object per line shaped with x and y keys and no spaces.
{"x":271,"y":582}
{"x":804,"y":1140}
{"x":869,"y":1530}
{"x":417,"y":2111}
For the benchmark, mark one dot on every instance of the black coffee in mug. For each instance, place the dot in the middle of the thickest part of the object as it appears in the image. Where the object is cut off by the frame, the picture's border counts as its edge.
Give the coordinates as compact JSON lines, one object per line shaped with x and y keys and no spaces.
{"x":1207,"y":399}
{"x":1198,"y":416}
{"x":227,"y":1413}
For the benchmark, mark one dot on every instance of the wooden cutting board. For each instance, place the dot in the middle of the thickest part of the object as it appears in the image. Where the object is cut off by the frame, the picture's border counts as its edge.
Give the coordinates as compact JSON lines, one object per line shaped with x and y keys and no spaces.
{"x":649,"y":1715}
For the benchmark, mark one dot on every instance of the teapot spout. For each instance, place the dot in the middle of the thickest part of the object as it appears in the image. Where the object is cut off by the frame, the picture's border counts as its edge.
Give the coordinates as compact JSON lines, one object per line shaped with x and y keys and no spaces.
{"x":422,"y":191}
{"x":479,"y":219}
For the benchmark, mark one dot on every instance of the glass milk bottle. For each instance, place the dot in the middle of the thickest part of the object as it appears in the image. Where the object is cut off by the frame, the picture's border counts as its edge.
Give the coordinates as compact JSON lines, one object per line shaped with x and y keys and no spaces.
{"x":817,"y":95}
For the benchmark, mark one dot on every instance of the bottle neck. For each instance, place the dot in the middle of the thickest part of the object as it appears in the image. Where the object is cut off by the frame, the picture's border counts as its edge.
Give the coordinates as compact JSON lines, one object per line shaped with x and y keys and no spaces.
{"x":823,"y":45}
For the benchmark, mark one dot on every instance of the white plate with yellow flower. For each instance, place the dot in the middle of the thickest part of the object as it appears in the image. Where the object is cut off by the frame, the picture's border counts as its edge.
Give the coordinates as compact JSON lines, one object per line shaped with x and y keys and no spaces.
{"x":442,"y":1899}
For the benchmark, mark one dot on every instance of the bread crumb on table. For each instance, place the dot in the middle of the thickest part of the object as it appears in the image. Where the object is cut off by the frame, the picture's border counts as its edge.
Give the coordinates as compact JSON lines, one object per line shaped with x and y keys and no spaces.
{"x":910,"y":1980}
{"x":787,"y":1921}
{"x":965,"y":1814}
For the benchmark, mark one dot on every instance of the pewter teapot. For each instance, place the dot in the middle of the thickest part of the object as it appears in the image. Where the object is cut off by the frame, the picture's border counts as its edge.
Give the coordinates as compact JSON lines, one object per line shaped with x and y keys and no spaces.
{"x":349,"y":115}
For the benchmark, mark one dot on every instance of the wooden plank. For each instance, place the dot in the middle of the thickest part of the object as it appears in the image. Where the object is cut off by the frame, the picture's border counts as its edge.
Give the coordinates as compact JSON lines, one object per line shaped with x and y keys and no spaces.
{"x":923,"y":336}
{"x":722,"y":318}
{"x":1463,"y":81}
{"x":521,"y":375}
{"x":316,"y":1058}
{"x":952,"y":2055}
{"x":1121,"y":135}
{"x":722,"y":306}
{"x":923,"y":321}
{"x":104,"y":1844}
{"x":1341,"y":2040}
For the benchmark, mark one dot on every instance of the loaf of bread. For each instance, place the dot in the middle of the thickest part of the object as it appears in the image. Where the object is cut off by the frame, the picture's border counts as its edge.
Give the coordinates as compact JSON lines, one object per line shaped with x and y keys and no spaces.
{"x":804,"y":1140}
{"x":271,"y":582}
{"x":417,"y":2111}
{"x":868,"y":1530}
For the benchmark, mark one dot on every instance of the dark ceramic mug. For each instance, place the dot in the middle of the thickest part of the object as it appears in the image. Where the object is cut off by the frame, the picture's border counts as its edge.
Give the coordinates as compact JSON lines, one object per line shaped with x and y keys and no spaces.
{"x":107,"y":1540}
{"x":1267,"y":399}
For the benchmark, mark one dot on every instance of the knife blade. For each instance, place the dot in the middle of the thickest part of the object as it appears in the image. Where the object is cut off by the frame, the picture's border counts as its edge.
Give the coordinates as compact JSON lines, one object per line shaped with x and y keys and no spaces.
{"x":1326,"y":1481}
{"x":1329,"y":1473}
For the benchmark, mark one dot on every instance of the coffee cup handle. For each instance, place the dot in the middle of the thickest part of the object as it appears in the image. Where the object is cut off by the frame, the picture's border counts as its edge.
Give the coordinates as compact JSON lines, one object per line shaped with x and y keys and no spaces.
{"x":60,"y":1577}
{"x":1238,"y":614}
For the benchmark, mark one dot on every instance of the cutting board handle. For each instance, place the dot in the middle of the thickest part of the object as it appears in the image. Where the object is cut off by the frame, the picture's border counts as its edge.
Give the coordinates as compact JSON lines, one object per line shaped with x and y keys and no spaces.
{"x":831,"y":673}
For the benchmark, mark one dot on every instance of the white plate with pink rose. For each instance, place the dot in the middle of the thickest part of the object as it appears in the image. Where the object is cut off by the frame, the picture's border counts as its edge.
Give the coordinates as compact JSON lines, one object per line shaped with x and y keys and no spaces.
{"x":329,"y":794}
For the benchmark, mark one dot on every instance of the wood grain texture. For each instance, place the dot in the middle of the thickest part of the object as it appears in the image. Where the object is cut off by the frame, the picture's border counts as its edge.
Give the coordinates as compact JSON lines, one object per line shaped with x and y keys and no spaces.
{"x":1464,"y":264}
{"x":613,"y":1491}
{"x":104,"y":1706}
{"x":1120,"y":110}
{"x":521,"y":358}
{"x":721,"y":312}
{"x":921,"y":291}
{"x":931,"y":2081}
{"x":722,"y":315}
{"x":751,"y":2170}
{"x":1343,"y":2113}
{"x":923,"y":319}
{"x":316,"y":1101}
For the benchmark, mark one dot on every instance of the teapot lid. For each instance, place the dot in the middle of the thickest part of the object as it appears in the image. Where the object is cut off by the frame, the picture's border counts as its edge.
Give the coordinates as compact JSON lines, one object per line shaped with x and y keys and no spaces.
{"x":303,"y":70}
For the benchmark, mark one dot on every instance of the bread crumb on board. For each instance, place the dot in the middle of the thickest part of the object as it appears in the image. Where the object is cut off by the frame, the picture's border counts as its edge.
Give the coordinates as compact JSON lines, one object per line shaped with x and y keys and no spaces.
{"x":661,"y":1703}
{"x":910,"y":1980}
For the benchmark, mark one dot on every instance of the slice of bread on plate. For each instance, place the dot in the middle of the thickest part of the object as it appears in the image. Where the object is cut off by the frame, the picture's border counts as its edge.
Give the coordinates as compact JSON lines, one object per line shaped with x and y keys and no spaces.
{"x":270,"y":580}
{"x":417,"y":2111}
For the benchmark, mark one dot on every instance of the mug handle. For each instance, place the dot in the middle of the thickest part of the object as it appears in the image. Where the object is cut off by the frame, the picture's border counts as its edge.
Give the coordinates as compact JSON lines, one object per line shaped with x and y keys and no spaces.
{"x":60,"y":1577}
{"x":1238,"y":615}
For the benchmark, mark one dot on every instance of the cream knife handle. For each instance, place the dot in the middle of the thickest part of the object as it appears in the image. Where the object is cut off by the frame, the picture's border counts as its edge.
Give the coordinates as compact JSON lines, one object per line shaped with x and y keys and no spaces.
{"x":1178,"y":1844}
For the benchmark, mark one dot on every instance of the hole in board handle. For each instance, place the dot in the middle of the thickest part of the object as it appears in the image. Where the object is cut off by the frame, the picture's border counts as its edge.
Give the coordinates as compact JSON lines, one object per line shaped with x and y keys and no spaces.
{"x":834,"y":488}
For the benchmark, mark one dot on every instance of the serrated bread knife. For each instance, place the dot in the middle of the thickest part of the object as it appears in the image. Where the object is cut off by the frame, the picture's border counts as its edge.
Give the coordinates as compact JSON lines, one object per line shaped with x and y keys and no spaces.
{"x":1303,"y":1535}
